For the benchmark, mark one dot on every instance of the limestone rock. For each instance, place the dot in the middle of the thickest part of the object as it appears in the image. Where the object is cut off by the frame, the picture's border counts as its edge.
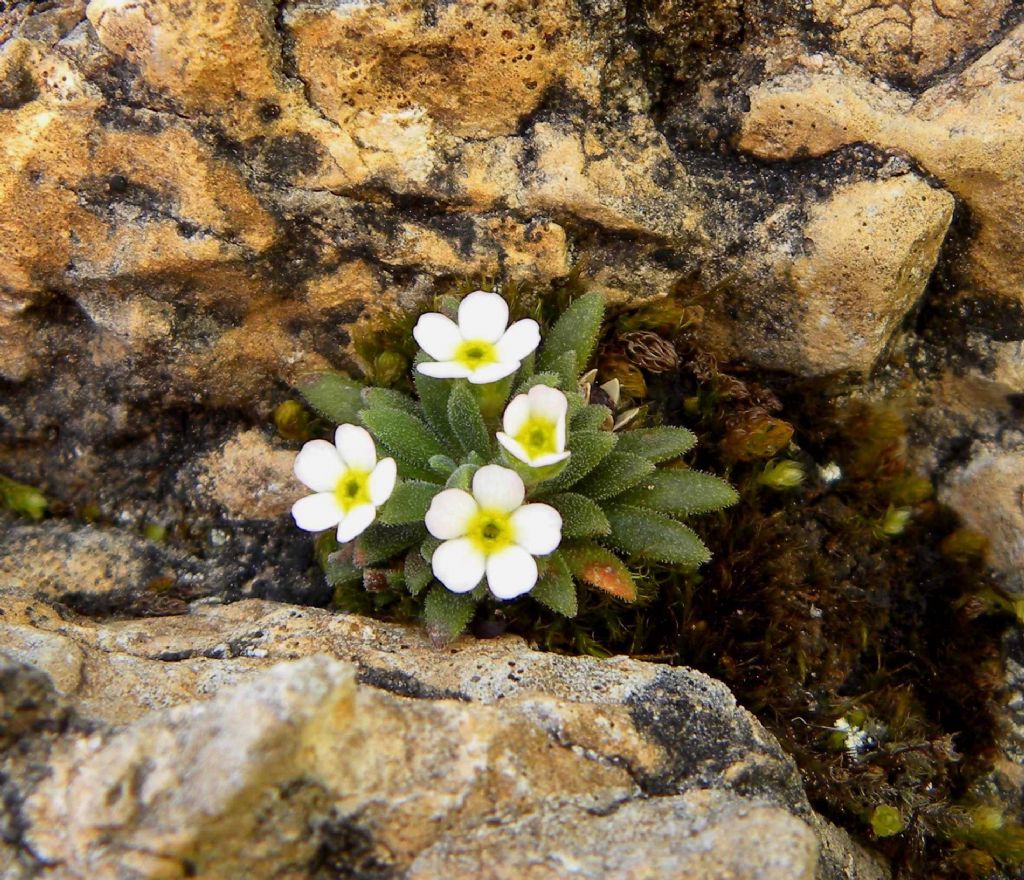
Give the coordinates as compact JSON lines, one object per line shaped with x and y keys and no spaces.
{"x":988,"y":493}
{"x":866,"y":254}
{"x":965,"y":132}
{"x":258,"y":740}
{"x":250,"y":478}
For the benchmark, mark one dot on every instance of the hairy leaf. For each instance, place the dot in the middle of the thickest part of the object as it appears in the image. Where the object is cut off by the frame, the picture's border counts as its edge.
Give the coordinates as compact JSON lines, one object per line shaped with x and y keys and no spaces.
{"x":681,"y":492}
{"x":410,"y":441}
{"x":408,"y":503}
{"x":552,"y":380}
{"x":381,"y":542}
{"x":441,"y":465}
{"x":555,"y":589}
{"x":600,"y":568}
{"x":433,"y":395}
{"x":335,"y":396}
{"x":467,"y":422}
{"x":591,"y":418}
{"x":340,"y":569}
{"x":388,"y":398}
{"x":577,"y":332}
{"x":417,"y":572}
{"x":657,"y":444}
{"x":581,"y":517}
{"x":462,"y":477}
{"x":588,"y":449}
{"x":446,"y":614}
{"x":653,"y":536}
{"x":617,"y":473}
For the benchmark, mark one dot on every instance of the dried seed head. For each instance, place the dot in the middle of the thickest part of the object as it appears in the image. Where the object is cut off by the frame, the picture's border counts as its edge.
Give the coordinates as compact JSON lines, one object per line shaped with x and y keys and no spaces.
{"x":650,"y":351}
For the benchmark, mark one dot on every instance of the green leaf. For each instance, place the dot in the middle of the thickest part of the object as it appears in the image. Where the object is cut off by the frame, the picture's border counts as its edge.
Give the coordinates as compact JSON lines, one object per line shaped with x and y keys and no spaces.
{"x":410,"y":441}
{"x":651,"y":535}
{"x":591,"y":418}
{"x":335,"y":396}
{"x":555,"y":589}
{"x":22,"y":499}
{"x":462,"y":477}
{"x":576,"y":332}
{"x":528,"y":366}
{"x":447,"y":614}
{"x":598,"y":567}
{"x":408,"y":503}
{"x":657,"y":444}
{"x":433,"y":395}
{"x":429,"y":545}
{"x":467,"y":422}
{"x":387,"y":398}
{"x":381,"y":542}
{"x":588,"y":449}
{"x":441,"y":465}
{"x":417,"y":572}
{"x":681,"y":493}
{"x":618,"y":472}
{"x":552,"y":380}
{"x":340,"y":569}
{"x":568,"y":375}
{"x":581,"y":517}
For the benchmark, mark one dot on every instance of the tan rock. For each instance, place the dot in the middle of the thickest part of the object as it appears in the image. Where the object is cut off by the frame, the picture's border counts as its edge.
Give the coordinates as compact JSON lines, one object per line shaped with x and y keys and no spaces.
{"x":701,"y":835}
{"x":250,"y":478}
{"x":988,"y":493}
{"x":862,"y":262}
{"x":206,"y":752}
{"x":911,"y":39}
{"x":965,"y":132}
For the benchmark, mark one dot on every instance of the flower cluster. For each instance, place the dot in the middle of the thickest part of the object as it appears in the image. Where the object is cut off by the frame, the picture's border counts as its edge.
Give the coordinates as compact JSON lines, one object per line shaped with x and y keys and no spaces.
{"x":500,"y":476}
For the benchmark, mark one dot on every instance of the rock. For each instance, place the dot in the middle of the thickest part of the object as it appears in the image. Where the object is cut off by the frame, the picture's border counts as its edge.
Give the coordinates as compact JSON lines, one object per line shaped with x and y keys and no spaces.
{"x":988,"y":493}
{"x":250,"y":478}
{"x":263,"y":740}
{"x":964,"y":131}
{"x":908,"y":41}
{"x":866,"y":254}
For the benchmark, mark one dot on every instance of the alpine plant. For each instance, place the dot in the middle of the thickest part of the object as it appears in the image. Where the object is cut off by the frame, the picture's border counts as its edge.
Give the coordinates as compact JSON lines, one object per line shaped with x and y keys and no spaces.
{"x":498,"y":479}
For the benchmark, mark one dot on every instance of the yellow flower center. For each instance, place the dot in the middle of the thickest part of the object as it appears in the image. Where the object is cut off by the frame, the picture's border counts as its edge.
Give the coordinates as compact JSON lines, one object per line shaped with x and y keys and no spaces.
{"x":353,"y":489}
{"x":475,"y":353}
{"x":538,"y":436}
{"x":490,"y":531}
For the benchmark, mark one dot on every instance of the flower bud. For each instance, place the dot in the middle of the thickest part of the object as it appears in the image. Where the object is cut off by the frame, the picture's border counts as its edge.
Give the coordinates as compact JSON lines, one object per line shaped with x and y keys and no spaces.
{"x":292,"y":420}
{"x":389,"y":367}
{"x":785,"y":474}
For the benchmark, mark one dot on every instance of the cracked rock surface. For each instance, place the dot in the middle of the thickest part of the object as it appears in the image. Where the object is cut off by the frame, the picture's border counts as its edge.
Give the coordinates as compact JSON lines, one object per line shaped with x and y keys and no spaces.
{"x":264,"y":740}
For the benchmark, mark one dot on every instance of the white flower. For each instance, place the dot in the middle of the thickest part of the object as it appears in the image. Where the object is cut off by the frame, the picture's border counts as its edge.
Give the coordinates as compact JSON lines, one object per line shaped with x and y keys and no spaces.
{"x":349,"y":482}
{"x":479,"y":347}
{"x":535,"y":426}
{"x":491,"y":532}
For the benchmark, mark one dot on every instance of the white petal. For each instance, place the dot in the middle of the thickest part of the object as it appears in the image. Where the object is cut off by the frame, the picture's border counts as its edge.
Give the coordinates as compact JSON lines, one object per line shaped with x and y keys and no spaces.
{"x":444,"y":369}
{"x":355,"y":446}
{"x":538,"y":528}
{"x":511,"y":572}
{"x":514,"y":447}
{"x":437,"y":335}
{"x":498,"y":488}
{"x":356,"y":522}
{"x":483,"y":315}
{"x":319,"y":466}
{"x":382,"y":481}
{"x":492,"y":372}
{"x":449,"y":514}
{"x":548,"y":403}
{"x":519,"y":340}
{"x":551,"y":458}
{"x":314,"y":513}
{"x":458,"y":564}
{"x":516,"y":413}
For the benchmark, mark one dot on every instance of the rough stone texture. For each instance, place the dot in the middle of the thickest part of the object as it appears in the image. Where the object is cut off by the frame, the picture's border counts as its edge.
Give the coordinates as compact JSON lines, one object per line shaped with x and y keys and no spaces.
{"x":988,"y":493}
{"x":262,"y":740}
